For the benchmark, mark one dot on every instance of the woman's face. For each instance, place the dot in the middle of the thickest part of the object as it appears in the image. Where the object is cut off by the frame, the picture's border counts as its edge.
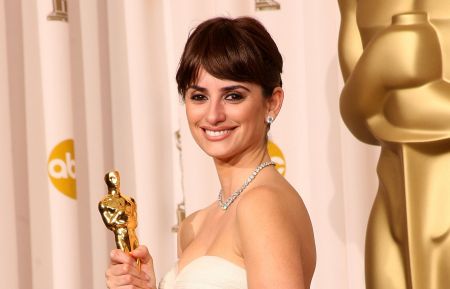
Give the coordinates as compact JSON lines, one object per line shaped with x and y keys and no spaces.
{"x":226,"y":118}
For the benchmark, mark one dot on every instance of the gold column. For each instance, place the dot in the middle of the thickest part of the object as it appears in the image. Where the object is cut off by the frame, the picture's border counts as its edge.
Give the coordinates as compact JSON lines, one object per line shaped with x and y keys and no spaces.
{"x":395,"y":59}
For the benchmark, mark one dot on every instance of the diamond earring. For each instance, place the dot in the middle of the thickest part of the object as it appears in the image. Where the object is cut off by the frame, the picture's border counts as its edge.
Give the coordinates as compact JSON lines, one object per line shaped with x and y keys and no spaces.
{"x":269,"y":119}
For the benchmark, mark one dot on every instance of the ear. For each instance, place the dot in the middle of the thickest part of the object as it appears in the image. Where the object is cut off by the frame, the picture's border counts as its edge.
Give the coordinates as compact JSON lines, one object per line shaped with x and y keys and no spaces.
{"x":275,"y":102}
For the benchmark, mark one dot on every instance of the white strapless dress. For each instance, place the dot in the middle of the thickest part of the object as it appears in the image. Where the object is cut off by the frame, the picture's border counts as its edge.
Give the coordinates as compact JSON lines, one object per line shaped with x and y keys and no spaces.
{"x":206,"y":272}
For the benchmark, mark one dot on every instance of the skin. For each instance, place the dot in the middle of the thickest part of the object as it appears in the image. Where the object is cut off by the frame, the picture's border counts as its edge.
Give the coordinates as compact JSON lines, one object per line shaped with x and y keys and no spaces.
{"x":267,"y":228}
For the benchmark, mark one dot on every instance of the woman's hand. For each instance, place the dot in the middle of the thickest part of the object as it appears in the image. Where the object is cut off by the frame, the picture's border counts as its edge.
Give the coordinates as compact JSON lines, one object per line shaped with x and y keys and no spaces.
{"x":123,"y":273}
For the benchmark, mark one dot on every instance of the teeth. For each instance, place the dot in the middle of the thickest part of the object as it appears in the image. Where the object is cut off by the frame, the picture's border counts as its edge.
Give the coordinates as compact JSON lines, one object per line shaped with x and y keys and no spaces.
{"x":216,"y":132}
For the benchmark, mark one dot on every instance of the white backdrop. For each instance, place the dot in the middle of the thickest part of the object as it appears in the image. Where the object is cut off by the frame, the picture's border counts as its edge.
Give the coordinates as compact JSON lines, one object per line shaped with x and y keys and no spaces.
{"x":106,"y":80}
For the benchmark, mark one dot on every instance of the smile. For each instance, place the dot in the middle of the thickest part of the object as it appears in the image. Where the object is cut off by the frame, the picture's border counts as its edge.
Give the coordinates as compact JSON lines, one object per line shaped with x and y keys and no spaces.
{"x":217,"y":132}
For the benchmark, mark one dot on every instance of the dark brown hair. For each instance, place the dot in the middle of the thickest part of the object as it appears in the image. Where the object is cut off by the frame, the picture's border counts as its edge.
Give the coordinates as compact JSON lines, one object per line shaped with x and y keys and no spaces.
{"x":237,"y":49}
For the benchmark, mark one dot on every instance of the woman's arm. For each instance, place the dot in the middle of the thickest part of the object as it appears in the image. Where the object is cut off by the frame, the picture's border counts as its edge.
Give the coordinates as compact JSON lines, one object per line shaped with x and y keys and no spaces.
{"x":270,"y":239}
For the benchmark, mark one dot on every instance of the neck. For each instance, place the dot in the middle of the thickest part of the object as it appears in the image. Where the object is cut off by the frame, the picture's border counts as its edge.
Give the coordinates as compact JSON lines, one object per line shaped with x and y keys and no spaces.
{"x":114,"y":192}
{"x":233,"y":172}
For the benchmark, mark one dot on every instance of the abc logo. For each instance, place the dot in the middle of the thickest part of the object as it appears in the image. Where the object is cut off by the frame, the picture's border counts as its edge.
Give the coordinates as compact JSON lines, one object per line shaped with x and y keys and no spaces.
{"x":61,"y":168}
{"x":277,"y":156}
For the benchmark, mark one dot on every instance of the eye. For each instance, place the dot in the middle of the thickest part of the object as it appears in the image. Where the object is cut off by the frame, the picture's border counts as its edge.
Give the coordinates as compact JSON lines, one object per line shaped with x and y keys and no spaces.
{"x":234,"y":97}
{"x":198,"y":97}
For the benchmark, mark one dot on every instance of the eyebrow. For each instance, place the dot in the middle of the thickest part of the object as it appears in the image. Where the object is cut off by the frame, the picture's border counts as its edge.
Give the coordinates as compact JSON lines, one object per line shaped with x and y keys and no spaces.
{"x":234,"y":87}
{"x":224,"y":89}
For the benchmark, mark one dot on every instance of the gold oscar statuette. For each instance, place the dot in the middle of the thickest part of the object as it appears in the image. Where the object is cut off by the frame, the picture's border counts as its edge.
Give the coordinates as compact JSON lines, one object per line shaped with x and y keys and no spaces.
{"x":395,"y":60}
{"x":119,"y":214}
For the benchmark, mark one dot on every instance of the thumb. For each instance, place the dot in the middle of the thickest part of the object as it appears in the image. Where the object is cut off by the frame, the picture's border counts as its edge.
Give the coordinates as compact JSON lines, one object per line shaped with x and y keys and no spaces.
{"x":142,"y":253}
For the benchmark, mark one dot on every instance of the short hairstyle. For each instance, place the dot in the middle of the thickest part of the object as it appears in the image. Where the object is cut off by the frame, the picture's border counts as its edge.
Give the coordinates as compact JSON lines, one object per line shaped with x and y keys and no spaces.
{"x":237,"y":49}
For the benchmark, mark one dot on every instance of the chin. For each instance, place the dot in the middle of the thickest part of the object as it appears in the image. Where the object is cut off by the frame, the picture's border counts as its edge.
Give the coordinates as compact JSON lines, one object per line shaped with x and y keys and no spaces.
{"x":217,"y":153}
{"x":216,"y":149}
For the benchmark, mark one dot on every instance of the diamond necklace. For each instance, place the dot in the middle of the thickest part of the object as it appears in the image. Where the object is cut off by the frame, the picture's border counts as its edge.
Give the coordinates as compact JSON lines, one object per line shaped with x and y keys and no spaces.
{"x":225,"y":204}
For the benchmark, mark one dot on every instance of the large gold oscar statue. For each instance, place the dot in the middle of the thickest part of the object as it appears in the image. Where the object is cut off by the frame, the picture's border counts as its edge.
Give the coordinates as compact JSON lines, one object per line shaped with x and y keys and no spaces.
{"x":119,"y":214}
{"x":395,"y":59}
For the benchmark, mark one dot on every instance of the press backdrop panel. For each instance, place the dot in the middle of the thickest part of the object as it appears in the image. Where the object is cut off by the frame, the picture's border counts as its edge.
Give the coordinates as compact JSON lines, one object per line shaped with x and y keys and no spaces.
{"x":98,"y":92}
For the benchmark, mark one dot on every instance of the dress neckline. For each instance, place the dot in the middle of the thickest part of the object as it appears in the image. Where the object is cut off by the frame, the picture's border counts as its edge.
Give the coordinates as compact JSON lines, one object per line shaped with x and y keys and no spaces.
{"x":196,"y":260}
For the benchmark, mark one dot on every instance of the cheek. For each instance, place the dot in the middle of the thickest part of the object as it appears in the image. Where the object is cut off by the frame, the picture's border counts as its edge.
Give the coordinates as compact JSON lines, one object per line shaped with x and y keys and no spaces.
{"x":192,"y":114}
{"x":259,"y":119}
{"x":255,"y":116}
{"x":253,"y":119}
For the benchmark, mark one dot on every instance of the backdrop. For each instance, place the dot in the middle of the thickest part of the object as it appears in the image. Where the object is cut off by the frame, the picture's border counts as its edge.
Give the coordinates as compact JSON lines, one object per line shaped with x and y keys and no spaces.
{"x":90,"y":84}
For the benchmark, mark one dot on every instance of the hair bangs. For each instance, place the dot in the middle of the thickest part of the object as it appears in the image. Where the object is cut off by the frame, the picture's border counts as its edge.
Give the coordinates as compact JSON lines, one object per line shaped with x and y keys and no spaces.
{"x":229,"y":49}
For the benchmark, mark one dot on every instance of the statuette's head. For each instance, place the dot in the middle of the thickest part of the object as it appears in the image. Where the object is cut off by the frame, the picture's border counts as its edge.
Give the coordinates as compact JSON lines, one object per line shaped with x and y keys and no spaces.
{"x":112,"y":180}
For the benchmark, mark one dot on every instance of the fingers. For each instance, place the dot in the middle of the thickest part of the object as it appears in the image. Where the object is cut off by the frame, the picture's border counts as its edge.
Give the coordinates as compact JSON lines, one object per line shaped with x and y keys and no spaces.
{"x":119,"y":257}
{"x":123,"y":273}
{"x":126,"y":276}
{"x":142,"y":253}
{"x":126,"y":269}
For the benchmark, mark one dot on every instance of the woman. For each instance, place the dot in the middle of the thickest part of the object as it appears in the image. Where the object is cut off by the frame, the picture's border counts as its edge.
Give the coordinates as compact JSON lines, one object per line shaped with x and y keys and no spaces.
{"x":258,"y":234}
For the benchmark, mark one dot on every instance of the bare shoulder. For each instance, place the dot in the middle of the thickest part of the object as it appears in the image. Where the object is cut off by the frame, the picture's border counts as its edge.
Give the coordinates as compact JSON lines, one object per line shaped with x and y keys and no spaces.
{"x":279,"y":198}
{"x":273,"y":218}
{"x":189,"y":228}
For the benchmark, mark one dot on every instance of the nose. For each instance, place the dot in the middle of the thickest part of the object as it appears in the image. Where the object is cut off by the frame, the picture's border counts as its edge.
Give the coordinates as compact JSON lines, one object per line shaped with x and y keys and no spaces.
{"x":216,"y":112}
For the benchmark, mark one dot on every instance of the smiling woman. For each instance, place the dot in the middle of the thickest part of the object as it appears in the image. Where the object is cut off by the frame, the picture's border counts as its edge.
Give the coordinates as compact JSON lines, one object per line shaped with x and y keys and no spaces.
{"x":226,"y":117}
{"x":258,"y":234}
